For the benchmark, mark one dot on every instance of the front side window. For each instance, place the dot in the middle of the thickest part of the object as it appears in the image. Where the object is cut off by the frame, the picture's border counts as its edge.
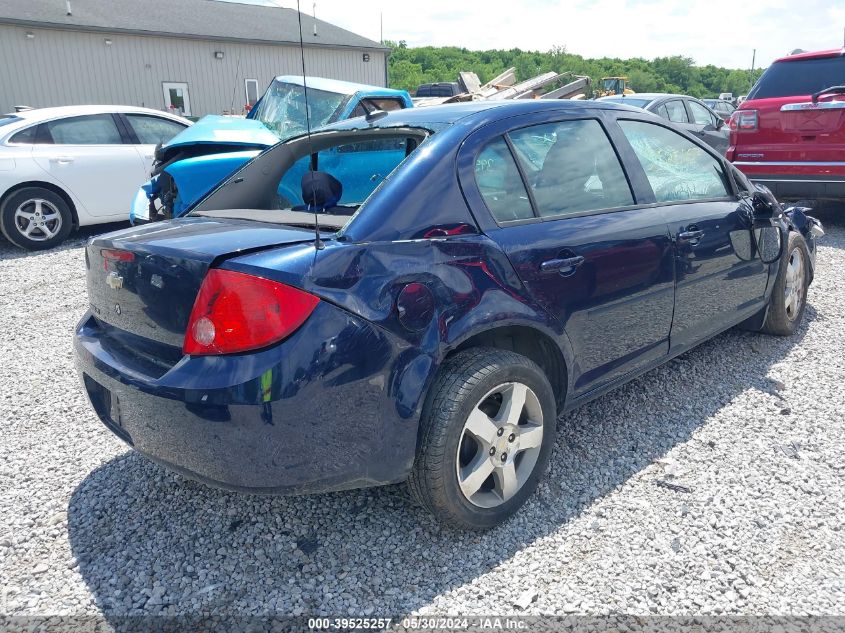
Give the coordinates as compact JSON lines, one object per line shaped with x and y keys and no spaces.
{"x":676,"y":168}
{"x":700,"y":114}
{"x":95,"y":129}
{"x":676,"y":112}
{"x":571,"y":167}
{"x":152,"y":130}
{"x":500,"y":184}
{"x":386,"y":104}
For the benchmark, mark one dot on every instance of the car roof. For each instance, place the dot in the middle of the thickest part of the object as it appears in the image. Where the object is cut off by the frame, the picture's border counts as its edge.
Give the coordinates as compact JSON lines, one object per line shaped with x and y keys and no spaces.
{"x":453,"y":112}
{"x":46,"y":114}
{"x":650,"y":96}
{"x":834,"y":52}
{"x":337,"y":86}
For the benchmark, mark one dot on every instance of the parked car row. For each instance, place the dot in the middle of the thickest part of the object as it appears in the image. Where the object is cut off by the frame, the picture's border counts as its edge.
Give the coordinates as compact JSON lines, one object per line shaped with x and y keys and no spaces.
{"x":67,"y":167}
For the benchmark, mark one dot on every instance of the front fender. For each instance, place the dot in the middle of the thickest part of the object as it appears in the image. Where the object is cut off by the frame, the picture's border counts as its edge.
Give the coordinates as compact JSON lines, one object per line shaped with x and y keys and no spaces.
{"x":810,"y":228}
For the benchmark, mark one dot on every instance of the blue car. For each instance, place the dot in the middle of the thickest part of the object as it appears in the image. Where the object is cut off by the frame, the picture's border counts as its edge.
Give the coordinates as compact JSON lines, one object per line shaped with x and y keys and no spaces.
{"x":519,"y":259}
{"x":195,"y":161}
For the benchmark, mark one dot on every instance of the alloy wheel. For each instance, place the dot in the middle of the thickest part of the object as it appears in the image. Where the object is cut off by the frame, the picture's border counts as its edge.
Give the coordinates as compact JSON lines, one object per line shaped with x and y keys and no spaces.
{"x":794,"y":287}
{"x":38,"y":220}
{"x":499,"y":445}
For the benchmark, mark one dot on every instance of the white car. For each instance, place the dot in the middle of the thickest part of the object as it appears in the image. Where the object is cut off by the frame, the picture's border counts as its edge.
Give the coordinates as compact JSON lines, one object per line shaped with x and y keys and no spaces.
{"x":62,"y":168}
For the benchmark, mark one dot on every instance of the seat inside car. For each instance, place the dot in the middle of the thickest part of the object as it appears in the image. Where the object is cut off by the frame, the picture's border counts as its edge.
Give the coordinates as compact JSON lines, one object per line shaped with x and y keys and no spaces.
{"x":563,"y":183}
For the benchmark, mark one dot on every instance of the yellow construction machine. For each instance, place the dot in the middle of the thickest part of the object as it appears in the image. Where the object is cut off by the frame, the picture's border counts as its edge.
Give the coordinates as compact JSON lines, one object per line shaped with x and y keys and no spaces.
{"x":614,"y":86}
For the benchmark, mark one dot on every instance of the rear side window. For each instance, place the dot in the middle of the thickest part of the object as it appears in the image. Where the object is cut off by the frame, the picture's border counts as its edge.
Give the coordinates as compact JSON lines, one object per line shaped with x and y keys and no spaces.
{"x":152,"y":130}
{"x":676,"y":168}
{"x":26,"y":136}
{"x":571,"y":168}
{"x":96,"y":129}
{"x":799,"y":77}
{"x":676,"y":112}
{"x":500,"y":184}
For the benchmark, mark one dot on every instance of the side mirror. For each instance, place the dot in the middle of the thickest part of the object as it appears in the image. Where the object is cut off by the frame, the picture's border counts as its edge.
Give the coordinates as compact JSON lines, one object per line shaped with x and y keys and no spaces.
{"x":720,"y":123}
{"x":764,"y":209}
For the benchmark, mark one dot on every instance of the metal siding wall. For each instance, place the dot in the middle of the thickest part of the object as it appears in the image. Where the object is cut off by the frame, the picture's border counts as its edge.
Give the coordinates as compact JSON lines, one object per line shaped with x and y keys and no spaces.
{"x":72,"y":67}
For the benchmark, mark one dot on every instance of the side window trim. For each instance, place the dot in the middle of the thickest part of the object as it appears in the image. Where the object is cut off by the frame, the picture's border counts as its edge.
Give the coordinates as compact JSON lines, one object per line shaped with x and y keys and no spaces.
{"x":126,"y":131}
{"x":523,"y":176}
{"x":733,"y":192}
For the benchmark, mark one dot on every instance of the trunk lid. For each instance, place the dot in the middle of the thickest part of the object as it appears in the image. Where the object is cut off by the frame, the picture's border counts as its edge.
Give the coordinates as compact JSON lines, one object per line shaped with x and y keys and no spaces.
{"x":142,"y":282}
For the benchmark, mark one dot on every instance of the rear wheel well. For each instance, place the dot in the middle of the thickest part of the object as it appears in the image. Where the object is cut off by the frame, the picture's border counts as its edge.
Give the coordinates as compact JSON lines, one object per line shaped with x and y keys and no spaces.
{"x":50,"y":187}
{"x":530,"y":343}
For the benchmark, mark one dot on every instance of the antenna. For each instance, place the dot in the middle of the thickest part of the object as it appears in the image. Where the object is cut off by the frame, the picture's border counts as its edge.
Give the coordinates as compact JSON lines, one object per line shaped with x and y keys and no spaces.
{"x":318,"y":243}
{"x":235,"y":84}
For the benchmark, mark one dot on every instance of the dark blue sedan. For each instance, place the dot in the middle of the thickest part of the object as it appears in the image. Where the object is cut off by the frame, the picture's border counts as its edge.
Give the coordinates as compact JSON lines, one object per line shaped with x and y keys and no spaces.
{"x":519,"y":260}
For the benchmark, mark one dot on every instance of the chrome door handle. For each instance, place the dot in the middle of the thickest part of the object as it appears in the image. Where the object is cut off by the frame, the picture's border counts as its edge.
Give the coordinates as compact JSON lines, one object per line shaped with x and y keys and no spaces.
{"x":62,"y":160}
{"x":692,"y":236}
{"x":564,"y":266}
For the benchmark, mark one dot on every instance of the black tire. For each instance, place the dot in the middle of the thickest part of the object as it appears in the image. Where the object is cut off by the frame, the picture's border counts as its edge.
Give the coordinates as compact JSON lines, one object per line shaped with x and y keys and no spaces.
{"x":461,"y":384}
{"x":782,"y":319}
{"x":29,"y":199}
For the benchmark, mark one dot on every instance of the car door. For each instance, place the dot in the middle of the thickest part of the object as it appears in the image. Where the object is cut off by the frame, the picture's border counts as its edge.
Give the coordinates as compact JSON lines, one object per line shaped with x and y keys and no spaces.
{"x":708,"y":126}
{"x":89,"y":157}
{"x":146,"y":131}
{"x":719,"y":278}
{"x":567,"y":219}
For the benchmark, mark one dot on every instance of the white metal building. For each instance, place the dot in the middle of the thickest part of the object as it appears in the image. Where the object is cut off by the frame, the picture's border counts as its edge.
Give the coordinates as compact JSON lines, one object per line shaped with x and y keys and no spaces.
{"x":197,"y":56}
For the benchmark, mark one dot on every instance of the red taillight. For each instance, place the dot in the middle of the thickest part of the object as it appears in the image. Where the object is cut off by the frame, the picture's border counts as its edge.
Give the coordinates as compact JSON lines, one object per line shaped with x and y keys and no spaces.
{"x":116,"y":255}
{"x":235,"y":312}
{"x":743,"y":120}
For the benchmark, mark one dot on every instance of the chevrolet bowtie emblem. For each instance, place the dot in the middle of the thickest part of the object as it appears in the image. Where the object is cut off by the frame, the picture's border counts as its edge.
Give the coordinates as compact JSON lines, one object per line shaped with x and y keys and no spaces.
{"x":114,"y":281}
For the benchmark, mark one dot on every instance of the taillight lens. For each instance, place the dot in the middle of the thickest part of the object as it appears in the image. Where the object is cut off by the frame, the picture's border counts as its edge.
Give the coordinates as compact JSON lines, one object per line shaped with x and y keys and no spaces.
{"x":743,"y":120}
{"x":235,"y":312}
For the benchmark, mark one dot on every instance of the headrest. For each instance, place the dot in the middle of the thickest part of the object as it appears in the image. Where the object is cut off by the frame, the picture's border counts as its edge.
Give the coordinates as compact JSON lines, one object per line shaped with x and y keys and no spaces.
{"x":320,"y":190}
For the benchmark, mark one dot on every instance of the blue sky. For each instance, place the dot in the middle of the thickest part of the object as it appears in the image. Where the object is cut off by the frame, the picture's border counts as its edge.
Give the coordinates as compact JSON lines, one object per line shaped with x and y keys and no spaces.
{"x":721,"y":33}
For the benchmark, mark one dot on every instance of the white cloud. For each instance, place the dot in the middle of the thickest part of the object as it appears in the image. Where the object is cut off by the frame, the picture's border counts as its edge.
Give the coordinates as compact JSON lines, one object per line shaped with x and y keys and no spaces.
{"x":721,"y":33}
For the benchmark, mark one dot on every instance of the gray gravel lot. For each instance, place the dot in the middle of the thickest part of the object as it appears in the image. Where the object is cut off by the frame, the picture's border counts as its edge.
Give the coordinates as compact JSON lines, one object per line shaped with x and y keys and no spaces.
{"x":751,"y":426}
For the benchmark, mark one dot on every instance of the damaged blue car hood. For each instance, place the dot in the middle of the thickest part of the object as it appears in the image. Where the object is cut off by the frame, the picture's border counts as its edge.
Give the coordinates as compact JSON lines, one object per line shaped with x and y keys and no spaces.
{"x":215,"y":129}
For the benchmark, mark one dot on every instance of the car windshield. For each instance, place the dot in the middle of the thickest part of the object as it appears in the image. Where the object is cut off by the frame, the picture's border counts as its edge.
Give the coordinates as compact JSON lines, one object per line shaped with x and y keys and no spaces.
{"x":347,"y":173}
{"x":5,"y":119}
{"x":282,"y":108}
{"x":799,"y":78}
{"x":637,"y":103}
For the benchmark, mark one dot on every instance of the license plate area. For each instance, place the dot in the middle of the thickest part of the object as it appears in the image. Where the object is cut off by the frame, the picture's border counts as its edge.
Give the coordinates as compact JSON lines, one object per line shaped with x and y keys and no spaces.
{"x":106,"y":406}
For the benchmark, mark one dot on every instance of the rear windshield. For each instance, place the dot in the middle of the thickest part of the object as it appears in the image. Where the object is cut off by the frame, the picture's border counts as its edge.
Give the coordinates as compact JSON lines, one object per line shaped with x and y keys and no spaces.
{"x":5,"y":119}
{"x":799,"y":78}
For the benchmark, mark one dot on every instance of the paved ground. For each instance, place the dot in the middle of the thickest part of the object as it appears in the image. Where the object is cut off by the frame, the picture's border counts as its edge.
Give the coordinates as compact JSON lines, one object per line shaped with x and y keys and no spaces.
{"x":751,"y":425}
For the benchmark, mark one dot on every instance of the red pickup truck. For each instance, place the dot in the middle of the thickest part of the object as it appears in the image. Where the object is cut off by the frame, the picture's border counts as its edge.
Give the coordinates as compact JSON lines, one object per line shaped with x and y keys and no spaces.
{"x":789,"y":134}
